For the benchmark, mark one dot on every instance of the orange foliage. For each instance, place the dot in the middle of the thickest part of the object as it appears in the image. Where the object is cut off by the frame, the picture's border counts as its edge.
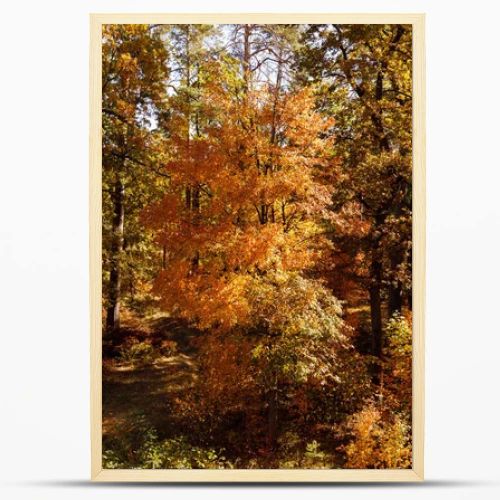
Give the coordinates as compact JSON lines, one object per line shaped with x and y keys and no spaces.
{"x":246,"y":197}
{"x":378,"y":442}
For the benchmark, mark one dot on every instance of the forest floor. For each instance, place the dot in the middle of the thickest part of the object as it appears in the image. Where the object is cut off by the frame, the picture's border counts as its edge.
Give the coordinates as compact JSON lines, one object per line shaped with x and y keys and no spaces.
{"x":141,"y":375}
{"x":151,"y":370}
{"x":149,"y":365}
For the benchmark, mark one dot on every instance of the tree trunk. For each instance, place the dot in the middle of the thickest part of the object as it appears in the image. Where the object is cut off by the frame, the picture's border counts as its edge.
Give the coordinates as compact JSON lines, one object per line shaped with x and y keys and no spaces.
{"x":272,"y":416}
{"x":395,"y":288}
{"x":196,"y":200}
{"x":196,"y":216}
{"x":376,"y":307}
{"x":113,"y":312}
{"x":164,"y":257}
{"x":246,"y":56}
{"x":376,"y":317}
{"x":376,"y":299}
{"x":395,"y":300}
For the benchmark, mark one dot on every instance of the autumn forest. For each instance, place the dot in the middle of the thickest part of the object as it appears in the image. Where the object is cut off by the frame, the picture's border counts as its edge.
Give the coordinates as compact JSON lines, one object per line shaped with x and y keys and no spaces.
{"x":257,"y":246}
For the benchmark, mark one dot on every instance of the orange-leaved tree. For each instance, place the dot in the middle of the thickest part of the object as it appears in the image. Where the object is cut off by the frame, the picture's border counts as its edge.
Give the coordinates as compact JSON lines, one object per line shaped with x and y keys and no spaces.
{"x":243,"y":243}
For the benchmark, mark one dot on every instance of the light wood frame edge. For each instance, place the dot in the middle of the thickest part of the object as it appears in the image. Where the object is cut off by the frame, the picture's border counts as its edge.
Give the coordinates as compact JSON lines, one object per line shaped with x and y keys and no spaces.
{"x":419,"y":253}
{"x":419,"y":245}
{"x":95,"y":249}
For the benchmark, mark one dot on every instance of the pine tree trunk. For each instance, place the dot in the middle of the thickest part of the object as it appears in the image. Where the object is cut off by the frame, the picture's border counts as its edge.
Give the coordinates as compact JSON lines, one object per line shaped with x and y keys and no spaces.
{"x":246,"y":56}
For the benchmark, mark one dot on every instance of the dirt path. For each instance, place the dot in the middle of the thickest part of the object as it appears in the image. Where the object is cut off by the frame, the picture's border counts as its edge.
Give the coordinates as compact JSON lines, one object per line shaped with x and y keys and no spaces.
{"x":149,"y":388}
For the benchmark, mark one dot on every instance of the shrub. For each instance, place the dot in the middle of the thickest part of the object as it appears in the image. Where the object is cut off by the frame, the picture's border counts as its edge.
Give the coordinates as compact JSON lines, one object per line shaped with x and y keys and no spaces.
{"x":377,"y":442}
{"x":135,"y":352}
{"x":177,"y":453}
{"x":137,"y":446}
{"x":294,"y":453}
{"x":398,"y":362}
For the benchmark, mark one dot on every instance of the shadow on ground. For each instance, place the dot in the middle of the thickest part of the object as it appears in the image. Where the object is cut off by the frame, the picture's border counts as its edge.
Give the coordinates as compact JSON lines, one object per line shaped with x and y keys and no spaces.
{"x":152,"y":386}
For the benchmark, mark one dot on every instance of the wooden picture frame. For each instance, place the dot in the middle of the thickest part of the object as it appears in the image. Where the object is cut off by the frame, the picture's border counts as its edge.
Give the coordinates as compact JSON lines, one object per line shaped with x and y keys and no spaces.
{"x":260,"y":475}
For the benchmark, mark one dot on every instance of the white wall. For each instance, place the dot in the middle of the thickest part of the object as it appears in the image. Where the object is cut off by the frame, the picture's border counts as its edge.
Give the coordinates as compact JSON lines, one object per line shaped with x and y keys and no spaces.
{"x":44,"y":363}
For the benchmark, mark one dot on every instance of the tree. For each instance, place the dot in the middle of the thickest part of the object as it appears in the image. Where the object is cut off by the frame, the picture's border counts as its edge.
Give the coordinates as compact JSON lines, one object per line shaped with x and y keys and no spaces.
{"x":134,"y":70}
{"x":365,"y":74}
{"x":257,"y":163}
{"x":257,"y":209}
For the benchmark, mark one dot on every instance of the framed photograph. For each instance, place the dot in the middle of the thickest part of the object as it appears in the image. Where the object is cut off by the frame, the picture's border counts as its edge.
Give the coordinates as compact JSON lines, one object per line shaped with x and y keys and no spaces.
{"x":257,"y":247}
